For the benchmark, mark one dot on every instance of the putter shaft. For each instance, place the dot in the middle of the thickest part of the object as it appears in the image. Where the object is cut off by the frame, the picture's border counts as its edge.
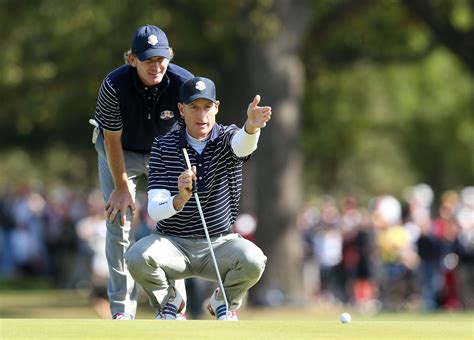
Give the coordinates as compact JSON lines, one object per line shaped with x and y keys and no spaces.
{"x":201,"y":213}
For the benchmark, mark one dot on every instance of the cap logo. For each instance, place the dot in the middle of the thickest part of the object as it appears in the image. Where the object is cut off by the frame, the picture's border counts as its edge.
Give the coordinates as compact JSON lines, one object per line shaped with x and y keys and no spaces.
{"x":200,"y":85}
{"x":152,"y":40}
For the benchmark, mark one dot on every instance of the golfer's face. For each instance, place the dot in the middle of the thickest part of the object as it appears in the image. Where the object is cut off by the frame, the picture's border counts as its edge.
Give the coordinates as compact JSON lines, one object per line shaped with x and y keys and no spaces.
{"x":152,"y":71}
{"x":200,"y":117}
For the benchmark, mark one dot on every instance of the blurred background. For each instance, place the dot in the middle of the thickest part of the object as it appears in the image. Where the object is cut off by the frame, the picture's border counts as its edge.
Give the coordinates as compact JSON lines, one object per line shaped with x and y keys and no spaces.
{"x":361,"y":192}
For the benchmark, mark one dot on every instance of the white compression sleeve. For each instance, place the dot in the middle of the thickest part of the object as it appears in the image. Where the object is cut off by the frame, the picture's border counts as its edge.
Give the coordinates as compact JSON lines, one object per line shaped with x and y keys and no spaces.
{"x":244,"y":143}
{"x":160,"y":204}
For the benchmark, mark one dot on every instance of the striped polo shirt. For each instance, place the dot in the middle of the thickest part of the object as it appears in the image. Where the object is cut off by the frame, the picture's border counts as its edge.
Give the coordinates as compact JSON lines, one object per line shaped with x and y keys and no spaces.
{"x":219,"y":181}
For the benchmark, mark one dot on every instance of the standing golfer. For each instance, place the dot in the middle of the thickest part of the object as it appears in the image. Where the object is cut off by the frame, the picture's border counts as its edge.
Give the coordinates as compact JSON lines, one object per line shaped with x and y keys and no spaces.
{"x":179,"y":249}
{"x":137,"y":102}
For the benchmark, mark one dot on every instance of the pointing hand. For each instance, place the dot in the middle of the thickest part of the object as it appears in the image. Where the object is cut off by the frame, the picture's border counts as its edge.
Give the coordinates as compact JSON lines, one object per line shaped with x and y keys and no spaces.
{"x":257,"y":116}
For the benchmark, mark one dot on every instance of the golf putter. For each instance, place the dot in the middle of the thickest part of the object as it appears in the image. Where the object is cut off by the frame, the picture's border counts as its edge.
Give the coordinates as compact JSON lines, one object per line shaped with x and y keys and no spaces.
{"x":221,"y":285}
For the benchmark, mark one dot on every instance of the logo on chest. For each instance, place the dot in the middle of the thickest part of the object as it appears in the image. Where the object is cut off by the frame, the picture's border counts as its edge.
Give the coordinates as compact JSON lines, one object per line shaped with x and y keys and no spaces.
{"x":166,"y":115}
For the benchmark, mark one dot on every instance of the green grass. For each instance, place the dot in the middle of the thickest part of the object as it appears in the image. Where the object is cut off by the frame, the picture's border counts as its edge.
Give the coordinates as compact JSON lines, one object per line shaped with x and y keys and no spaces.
{"x":257,"y":329}
{"x":69,"y":315}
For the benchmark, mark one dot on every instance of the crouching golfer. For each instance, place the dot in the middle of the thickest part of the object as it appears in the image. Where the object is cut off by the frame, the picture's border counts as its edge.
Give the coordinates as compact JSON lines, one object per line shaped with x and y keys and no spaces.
{"x":178,"y":248}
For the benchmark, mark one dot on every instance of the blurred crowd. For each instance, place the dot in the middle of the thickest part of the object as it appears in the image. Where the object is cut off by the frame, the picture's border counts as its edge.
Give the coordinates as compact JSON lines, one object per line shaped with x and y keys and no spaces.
{"x":394,"y":254}
{"x":390,"y":255}
{"x":57,"y":237}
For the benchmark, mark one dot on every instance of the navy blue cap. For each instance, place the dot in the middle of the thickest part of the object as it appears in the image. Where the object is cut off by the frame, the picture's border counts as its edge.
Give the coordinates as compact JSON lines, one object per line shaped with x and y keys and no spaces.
{"x":197,"y":88}
{"x":150,"y":41}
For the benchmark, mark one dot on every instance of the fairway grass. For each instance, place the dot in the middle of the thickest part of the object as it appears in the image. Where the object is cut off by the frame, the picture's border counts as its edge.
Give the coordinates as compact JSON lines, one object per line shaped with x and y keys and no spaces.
{"x":54,"y":314}
{"x":276,"y":329}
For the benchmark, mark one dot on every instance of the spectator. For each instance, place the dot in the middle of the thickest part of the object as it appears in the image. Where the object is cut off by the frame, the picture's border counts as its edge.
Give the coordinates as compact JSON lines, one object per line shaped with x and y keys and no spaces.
{"x":91,"y":231}
{"x":358,"y":251}
{"x":396,"y":252}
{"x":465,"y":219}
{"x":327,"y":244}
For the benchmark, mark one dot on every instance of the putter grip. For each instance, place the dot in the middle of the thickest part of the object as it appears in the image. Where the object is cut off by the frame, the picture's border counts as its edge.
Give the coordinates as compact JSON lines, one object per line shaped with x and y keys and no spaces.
{"x":186,"y":158}
{"x":188,"y":164}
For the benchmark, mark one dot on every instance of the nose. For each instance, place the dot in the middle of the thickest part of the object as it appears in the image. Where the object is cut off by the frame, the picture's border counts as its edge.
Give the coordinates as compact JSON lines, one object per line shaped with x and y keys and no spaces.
{"x":202,"y":112}
{"x":156,"y":65}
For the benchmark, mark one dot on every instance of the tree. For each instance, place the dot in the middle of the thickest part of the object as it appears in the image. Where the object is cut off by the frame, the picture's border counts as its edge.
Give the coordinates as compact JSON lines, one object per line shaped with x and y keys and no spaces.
{"x":276,"y":72}
{"x":333,"y":72}
{"x":438,"y":16}
{"x":363,"y":59}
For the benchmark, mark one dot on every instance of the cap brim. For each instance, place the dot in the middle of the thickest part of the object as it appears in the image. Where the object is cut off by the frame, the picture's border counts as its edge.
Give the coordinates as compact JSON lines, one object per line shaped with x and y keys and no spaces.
{"x":198,"y":96}
{"x":154,"y":52}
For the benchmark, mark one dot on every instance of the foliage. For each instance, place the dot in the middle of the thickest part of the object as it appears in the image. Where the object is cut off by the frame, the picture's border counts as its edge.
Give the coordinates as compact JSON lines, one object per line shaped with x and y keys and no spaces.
{"x":385,"y":107}
{"x":385,"y":104}
{"x":55,"y":165}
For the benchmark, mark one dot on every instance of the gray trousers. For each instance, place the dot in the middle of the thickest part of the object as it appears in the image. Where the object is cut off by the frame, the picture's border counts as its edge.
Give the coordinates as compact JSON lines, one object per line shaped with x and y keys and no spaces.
{"x":157,"y":260}
{"x":121,"y":288}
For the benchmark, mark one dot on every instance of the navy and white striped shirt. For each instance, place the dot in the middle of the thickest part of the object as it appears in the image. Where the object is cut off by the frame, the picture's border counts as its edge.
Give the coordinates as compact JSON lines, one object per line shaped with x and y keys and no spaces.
{"x":219,"y":181}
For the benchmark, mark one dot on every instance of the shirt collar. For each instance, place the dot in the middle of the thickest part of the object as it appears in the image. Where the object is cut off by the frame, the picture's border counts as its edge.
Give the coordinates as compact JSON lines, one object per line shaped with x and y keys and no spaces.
{"x":182,"y":135}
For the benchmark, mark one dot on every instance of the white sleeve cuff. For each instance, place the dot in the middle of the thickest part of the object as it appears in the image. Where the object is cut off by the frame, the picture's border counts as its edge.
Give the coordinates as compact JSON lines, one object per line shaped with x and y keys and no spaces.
{"x":244,"y":143}
{"x":160,"y":204}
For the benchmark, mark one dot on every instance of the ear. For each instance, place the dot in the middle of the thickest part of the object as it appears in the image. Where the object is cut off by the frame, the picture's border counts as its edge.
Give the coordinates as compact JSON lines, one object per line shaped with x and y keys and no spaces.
{"x":132,"y":60}
{"x":181,"y":107}
{"x":217,"y":106}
